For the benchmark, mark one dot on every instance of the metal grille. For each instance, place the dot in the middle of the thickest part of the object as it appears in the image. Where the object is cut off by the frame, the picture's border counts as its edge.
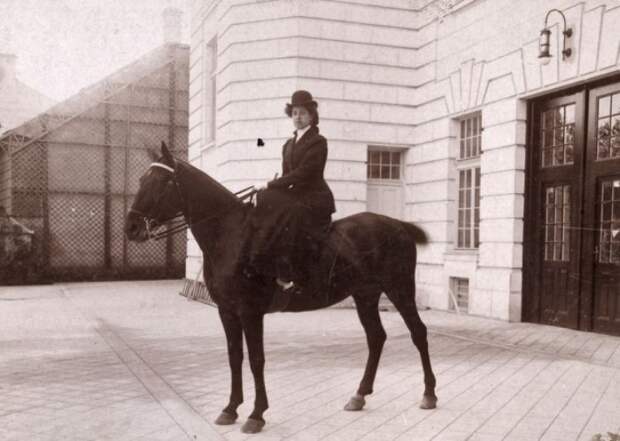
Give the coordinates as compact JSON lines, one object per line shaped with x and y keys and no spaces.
{"x":460,"y":294}
{"x":75,"y":180}
{"x":118,"y":249}
{"x":76,"y":230}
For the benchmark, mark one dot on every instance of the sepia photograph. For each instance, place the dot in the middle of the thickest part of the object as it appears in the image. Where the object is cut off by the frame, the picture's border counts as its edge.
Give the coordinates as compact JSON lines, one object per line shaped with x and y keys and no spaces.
{"x":309,"y":220}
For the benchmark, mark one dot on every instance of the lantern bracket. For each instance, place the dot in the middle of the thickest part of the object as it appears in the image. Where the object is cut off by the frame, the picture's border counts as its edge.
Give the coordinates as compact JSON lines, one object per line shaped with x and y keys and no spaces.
{"x":545,"y":34}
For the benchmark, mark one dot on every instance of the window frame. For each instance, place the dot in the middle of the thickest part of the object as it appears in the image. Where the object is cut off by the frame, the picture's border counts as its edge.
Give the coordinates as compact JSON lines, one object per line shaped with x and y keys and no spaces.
{"x":459,"y":293}
{"x":464,"y":164}
{"x":606,"y":243}
{"x":550,"y":144}
{"x":210,"y":96}
{"x":613,"y":114}
{"x":400,"y":166}
{"x":556,"y":222}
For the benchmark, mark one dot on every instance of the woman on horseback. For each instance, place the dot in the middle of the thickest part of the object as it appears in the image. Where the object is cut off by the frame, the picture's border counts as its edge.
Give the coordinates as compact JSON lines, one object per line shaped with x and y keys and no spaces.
{"x":293,"y":212}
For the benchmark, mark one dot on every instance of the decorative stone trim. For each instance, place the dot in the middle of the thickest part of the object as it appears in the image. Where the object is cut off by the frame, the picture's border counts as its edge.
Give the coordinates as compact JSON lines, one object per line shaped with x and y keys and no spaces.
{"x":442,"y":8}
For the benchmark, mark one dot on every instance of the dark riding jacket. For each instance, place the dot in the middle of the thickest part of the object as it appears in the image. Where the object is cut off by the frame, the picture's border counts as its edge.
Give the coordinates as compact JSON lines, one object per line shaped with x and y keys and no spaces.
{"x":303,"y":164}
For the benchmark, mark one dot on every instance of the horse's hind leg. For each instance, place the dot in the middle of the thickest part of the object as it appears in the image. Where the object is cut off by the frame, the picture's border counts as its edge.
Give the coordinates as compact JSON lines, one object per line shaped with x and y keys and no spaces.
{"x":404,"y":301}
{"x":368,"y":312}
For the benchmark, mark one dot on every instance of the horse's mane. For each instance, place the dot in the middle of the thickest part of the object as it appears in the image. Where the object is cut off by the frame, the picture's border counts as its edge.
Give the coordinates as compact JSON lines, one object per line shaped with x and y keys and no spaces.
{"x":203,"y":186}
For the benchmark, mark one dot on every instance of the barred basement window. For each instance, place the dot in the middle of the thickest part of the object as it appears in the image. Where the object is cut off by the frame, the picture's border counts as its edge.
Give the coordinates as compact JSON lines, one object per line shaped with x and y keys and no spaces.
{"x":468,"y":168}
{"x":460,"y":293}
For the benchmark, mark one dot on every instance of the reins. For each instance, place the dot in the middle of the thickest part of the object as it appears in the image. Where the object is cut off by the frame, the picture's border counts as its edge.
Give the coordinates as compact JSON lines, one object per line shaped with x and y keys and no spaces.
{"x":182,"y":225}
{"x":245,"y":194}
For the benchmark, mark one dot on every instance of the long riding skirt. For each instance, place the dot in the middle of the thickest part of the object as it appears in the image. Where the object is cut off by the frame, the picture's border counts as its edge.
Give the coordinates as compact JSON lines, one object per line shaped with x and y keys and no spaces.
{"x":284,"y":234}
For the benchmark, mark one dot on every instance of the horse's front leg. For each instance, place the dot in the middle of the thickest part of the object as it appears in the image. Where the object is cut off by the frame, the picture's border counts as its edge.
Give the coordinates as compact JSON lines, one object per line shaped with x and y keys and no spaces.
{"x":253,"y":330}
{"x":234,"y":338}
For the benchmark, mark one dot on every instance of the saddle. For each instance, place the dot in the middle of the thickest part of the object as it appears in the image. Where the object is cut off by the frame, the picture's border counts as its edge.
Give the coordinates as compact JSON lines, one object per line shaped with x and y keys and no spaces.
{"x":288,"y":255}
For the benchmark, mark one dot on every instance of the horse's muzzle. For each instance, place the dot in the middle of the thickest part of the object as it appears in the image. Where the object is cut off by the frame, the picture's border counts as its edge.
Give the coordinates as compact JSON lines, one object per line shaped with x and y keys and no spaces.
{"x":135,"y":228}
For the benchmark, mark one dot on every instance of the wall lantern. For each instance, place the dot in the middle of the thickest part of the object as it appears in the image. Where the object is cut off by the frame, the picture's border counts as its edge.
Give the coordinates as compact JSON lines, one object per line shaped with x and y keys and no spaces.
{"x":544,"y":55}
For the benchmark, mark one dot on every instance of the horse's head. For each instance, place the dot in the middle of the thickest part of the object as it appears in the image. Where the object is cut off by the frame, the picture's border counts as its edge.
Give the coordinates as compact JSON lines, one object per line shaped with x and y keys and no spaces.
{"x":158,"y":199}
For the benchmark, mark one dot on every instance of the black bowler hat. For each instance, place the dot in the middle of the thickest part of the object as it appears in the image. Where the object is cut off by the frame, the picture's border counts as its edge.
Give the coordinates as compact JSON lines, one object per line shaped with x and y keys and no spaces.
{"x":302,"y":98}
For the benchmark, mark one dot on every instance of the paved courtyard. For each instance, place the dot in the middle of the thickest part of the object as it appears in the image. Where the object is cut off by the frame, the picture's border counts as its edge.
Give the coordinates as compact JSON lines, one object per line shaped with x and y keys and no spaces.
{"x":136,"y":361}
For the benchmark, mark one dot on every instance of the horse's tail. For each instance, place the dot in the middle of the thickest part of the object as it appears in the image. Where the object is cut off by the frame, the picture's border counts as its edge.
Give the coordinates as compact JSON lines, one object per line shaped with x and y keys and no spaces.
{"x":416,"y":233}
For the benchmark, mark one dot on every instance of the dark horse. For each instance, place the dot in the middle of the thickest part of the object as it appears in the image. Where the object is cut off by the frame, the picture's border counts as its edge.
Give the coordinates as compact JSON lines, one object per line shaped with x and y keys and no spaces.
{"x":365,"y":254}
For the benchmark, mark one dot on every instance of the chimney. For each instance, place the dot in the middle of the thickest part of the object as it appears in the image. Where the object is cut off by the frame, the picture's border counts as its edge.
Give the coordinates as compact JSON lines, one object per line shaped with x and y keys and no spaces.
{"x":172,"y":25}
{"x":7,"y":68}
{"x":8,"y":59}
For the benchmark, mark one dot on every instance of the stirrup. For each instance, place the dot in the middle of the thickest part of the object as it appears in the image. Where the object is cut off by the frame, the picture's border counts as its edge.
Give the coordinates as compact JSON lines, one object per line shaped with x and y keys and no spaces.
{"x":249,"y":272}
{"x":285,"y":285}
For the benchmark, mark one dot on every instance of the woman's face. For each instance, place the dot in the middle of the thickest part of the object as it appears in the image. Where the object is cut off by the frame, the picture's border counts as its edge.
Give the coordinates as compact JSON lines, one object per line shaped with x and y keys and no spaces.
{"x":301,"y":117}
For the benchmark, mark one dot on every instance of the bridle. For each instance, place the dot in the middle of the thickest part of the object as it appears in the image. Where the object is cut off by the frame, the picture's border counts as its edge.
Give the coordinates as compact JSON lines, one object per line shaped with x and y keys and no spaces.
{"x":149,"y":219}
{"x":182,"y":225}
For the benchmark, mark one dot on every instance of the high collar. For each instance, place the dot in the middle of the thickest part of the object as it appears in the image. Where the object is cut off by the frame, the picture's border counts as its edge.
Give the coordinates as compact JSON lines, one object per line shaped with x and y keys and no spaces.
{"x":301,"y":132}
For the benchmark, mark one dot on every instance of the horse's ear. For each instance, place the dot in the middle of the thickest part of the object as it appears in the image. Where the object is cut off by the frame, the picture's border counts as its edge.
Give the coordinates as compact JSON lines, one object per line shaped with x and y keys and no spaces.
{"x":166,"y":155}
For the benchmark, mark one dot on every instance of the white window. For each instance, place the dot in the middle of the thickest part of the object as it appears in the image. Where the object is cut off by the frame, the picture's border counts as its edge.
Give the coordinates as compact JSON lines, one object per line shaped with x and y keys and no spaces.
{"x":210,"y":76}
{"x":385,"y":189}
{"x":384,"y":165}
{"x":468,"y":169}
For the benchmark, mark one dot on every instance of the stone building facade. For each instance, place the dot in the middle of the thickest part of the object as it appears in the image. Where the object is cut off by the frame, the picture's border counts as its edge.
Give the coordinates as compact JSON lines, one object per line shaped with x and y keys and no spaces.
{"x":435,"y":113}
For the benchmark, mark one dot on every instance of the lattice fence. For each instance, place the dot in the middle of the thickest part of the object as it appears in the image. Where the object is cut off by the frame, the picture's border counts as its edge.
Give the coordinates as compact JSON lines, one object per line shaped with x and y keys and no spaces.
{"x":74,"y":185}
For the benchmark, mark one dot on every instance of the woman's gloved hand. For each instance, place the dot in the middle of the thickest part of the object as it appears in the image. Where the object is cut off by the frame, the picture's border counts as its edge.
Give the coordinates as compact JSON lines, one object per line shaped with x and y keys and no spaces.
{"x":268,"y":184}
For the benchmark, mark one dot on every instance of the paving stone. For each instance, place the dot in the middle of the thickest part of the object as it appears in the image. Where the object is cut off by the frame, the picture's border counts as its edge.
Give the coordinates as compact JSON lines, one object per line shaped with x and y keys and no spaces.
{"x":483,"y":437}
{"x":62,"y":378}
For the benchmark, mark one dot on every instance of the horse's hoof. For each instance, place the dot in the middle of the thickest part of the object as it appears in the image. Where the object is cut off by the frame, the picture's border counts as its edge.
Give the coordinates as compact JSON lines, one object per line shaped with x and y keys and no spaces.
{"x":355,"y":403}
{"x":428,"y":402}
{"x":252,"y":426}
{"x":225,"y":419}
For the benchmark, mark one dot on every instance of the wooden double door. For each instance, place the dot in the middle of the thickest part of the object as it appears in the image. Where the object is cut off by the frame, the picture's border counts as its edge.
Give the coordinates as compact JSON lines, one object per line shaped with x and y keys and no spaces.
{"x":572,"y":217}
